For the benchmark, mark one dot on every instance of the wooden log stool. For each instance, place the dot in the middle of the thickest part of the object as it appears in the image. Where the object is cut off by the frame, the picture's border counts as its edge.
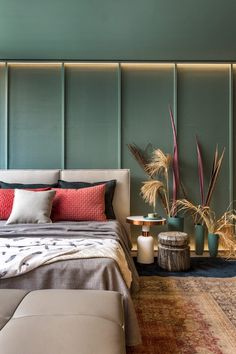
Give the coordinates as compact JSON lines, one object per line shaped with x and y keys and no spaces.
{"x":174,"y":251}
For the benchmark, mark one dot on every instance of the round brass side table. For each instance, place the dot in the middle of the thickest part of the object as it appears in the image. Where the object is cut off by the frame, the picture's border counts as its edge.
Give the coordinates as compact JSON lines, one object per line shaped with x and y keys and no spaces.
{"x":145,"y":242}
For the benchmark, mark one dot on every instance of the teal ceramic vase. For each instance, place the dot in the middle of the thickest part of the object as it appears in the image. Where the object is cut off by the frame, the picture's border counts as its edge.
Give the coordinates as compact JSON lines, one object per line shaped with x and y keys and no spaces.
{"x":175,"y":223}
{"x":213,"y":244}
{"x":199,"y":238}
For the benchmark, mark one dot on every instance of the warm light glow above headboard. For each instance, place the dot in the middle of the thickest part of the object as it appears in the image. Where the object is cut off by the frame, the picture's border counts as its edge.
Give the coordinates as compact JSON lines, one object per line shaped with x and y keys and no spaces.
{"x":125,"y":65}
{"x":92,"y":64}
{"x":38,"y":64}
{"x":203,"y":66}
{"x":147,"y":66}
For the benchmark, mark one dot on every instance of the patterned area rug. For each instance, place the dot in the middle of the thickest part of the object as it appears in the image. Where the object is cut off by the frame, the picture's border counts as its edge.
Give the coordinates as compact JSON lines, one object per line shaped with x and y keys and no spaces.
{"x":190,"y":315}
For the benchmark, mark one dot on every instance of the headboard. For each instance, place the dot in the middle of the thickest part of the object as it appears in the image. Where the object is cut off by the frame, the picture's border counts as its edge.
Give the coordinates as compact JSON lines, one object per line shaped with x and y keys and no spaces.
{"x":121,"y":200}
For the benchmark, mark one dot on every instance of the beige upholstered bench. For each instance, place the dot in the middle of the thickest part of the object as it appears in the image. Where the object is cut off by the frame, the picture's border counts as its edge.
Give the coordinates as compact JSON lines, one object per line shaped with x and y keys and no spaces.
{"x":61,"y":322}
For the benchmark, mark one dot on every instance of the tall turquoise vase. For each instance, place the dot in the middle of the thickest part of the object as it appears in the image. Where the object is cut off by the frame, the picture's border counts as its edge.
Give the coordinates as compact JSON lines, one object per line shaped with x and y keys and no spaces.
{"x":175,"y":223}
{"x":213,"y":244}
{"x":199,"y":233}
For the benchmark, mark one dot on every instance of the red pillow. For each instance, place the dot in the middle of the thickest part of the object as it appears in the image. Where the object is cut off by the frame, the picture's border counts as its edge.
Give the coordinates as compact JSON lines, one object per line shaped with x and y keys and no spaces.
{"x":85,"y":204}
{"x":6,"y":201}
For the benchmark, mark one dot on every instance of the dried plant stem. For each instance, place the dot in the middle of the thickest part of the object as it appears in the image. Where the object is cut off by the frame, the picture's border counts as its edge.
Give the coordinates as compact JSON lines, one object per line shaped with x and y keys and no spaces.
{"x":223,"y":226}
{"x":215,"y":172}
{"x":139,"y":157}
{"x":150,"y":191}
{"x":165,"y":201}
{"x":167,"y":185}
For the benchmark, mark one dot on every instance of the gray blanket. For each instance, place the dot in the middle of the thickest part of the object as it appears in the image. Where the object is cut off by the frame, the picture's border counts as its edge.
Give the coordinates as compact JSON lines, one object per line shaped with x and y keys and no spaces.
{"x":94,"y":273}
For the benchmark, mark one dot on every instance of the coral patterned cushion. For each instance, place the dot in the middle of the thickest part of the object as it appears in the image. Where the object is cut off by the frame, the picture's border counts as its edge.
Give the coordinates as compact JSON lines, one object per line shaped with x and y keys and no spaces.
{"x":86,"y":204}
{"x":7,"y":198}
{"x":6,"y":202}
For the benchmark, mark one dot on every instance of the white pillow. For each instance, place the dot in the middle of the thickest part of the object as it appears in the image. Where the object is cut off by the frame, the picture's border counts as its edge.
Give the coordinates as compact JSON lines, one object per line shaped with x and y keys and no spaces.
{"x":31,"y":207}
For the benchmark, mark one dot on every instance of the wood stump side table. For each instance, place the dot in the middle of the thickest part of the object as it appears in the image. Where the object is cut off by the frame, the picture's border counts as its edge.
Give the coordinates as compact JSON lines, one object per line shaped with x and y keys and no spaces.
{"x":174,"y":251}
{"x":145,"y":242}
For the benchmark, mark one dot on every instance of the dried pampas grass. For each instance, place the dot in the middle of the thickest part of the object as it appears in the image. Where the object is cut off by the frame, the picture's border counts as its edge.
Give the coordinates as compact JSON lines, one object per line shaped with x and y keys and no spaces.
{"x":158,"y":168}
{"x":150,"y":192}
{"x":160,"y":163}
{"x":223,"y":226}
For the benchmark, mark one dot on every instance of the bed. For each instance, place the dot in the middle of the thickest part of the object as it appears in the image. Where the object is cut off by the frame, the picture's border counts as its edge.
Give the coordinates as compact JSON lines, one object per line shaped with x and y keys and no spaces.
{"x":91,"y":270}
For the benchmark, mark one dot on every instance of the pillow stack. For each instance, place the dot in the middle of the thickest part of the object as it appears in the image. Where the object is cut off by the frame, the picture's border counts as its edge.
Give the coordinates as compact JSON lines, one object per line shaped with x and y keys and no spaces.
{"x":40,"y":203}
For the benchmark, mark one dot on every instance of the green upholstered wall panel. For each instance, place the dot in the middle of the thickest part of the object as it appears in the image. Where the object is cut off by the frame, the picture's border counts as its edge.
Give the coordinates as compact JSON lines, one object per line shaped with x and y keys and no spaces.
{"x":91,"y":108}
{"x":119,"y":30}
{"x":86,"y":114}
{"x":203,"y":109}
{"x":146,"y":93}
{"x":34,"y":116}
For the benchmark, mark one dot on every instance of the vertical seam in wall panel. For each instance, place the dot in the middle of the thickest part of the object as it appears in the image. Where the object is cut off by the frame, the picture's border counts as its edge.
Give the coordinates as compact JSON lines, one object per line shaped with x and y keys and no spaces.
{"x":6,"y":116}
{"x":119,"y":117}
{"x":175,"y":97}
{"x":231,"y":161}
{"x":62,"y":116}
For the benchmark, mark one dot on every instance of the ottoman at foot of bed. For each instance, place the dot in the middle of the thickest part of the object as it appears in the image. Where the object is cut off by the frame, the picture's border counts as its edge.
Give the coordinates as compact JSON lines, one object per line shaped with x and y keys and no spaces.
{"x":61,"y":321}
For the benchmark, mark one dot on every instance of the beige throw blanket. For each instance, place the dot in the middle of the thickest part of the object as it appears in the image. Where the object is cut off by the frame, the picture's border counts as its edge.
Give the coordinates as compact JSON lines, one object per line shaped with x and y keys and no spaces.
{"x":22,"y":254}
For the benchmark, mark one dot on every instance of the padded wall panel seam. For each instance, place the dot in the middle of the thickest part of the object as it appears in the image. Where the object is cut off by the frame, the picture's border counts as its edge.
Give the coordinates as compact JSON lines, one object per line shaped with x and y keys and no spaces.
{"x":231,"y":147}
{"x":3,"y":115}
{"x":6,"y":117}
{"x":63,"y":134}
{"x":175,"y":97}
{"x":119,"y":116}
